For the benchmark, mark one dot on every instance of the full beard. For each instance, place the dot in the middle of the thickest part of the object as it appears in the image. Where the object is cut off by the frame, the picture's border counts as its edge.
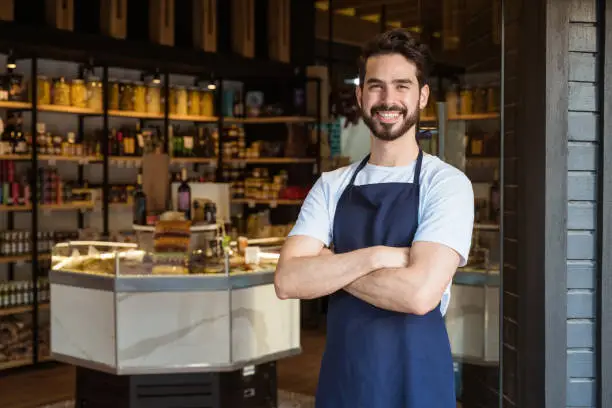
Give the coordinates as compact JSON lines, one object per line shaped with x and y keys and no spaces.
{"x":389,"y":131}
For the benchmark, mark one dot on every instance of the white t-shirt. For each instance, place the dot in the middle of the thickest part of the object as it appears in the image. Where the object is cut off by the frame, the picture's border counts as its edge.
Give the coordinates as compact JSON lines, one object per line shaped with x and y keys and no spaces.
{"x":446,"y":204}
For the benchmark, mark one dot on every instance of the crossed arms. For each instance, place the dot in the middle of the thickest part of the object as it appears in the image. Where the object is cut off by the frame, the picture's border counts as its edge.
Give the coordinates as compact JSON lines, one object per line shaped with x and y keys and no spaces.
{"x":400,"y":279}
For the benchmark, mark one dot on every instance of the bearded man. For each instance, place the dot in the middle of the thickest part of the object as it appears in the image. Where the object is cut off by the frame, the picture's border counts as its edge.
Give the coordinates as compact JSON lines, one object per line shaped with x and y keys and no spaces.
{"x":400,"y":222}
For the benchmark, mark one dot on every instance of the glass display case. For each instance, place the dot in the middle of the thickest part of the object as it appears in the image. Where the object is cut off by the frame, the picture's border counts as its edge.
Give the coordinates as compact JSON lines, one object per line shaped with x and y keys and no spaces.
{"x":142,"y":310}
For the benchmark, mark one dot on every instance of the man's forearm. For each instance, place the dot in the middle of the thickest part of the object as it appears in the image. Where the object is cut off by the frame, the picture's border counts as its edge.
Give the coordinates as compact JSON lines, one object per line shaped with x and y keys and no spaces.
{"x":316,"y":276}
{"x":394,"y":289}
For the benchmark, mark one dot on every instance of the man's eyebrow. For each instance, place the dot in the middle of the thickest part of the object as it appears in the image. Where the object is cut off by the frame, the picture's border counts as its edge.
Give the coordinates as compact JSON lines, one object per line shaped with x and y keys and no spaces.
{"x":402,"y":81}
{"x":395,"y":81}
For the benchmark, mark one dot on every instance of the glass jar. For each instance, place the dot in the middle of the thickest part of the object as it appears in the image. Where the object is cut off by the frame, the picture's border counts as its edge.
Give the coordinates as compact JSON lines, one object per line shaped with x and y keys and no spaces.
{"x":140,"y":97}
{"x":78,"y":93}
{"x":172,"y":99}
{"x":153,"y":98}
{"x":61,"y":92}
{"x":44,"y":90}
{"x":113,"y":96}
{"x":452,"y":101}
{"x":492,"y":98}
{"x":465,"y":101}
{"x":207,"y":103}
{"x":126,"y":96}
{"x":194,"y":101}
{"x":181,"y":100}
{"x":94,"y":94}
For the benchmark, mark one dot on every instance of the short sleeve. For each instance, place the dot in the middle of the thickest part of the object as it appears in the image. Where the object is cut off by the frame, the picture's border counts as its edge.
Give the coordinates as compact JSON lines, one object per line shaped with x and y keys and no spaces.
{"x":314,"y":220}
{"x":448,"y":214}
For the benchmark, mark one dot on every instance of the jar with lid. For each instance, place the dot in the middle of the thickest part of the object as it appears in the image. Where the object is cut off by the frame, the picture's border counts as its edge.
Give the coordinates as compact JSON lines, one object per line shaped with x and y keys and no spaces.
{"x":465,"y":101}
{"x":78,"y":94}
{"x":181,"y":100}
{"x":480,"y":100}
{"x":171,"y":100}
{"x":452,"y":100}
{"x":207,"y":103}
{"x":94,"y":94}
{"x":113,"y":95}
{"x":492,"y":98}
{"x":153,"y":98}
{"x":126,"y":96}
{"x":61,"y":92}
{"x":194,"y":101}
{"x":44,"y":90}
{"x":140,"y":97}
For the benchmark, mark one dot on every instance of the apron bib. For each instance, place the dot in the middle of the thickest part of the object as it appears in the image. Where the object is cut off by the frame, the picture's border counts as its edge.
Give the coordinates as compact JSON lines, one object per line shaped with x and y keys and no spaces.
{"x":376,"y":358}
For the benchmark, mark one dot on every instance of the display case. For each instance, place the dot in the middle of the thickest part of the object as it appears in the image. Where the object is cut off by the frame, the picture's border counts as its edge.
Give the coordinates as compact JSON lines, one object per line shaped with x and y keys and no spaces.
{"x":472,"y":318}
{"x":113,"y":311}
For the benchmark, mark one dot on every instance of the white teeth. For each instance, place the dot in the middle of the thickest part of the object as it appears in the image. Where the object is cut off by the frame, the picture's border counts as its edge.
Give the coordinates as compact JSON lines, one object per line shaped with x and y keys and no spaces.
{"x":389,"y":115}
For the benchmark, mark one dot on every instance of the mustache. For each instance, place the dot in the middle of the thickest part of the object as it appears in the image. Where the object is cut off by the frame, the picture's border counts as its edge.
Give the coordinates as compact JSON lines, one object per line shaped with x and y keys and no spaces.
{"x":387,"y":108}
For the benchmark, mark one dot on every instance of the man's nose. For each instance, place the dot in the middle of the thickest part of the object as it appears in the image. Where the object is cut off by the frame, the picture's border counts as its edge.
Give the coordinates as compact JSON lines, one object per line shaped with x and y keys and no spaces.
{"x":389,"y":96}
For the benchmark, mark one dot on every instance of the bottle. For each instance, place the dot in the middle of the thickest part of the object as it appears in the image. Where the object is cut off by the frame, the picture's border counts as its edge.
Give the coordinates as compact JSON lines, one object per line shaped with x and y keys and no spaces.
{"x":184,"y":195}
{"x":140,"y":203}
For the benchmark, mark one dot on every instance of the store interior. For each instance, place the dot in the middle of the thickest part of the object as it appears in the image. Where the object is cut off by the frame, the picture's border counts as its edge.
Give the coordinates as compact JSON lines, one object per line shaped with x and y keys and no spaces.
{"x":143,"y":204}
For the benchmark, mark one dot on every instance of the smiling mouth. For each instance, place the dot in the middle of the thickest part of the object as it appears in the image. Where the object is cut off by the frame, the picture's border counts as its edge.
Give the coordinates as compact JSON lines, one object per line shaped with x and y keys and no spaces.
{"x":389,"y":116}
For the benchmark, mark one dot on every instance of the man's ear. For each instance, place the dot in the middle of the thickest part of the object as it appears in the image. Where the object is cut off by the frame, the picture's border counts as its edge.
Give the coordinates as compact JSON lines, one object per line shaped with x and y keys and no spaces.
{"x":424,"y":97}
{"x":358,"y":95}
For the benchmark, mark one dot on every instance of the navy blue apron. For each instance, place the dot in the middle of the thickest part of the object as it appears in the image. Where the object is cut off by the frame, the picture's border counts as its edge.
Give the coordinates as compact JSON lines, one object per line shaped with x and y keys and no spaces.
{"x":376,"y":358}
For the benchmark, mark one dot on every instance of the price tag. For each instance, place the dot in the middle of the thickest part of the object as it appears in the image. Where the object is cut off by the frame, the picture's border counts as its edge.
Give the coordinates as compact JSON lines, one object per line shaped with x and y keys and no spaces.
{"x":273,"y":204}
{"x":46,"y":211}
{"x":83,"y":161}
{"x":51,"y":162}
{"x":251,"y":204}
{"x":120,"y":163}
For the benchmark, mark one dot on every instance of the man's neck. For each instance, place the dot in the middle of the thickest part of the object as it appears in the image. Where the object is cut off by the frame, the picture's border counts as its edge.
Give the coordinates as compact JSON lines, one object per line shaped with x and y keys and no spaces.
{"x":399,"y":152}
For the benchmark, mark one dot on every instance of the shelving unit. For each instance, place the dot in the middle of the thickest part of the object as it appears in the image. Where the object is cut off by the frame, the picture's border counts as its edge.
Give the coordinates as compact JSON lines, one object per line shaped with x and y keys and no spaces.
{"x":105,"y":163}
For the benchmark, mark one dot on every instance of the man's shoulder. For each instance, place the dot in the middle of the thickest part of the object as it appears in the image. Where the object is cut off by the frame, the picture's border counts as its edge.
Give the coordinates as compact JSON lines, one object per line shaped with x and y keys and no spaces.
{"x":437,"y":174}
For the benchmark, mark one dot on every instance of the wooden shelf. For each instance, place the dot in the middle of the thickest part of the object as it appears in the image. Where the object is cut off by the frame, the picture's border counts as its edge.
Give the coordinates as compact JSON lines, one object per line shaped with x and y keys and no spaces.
{"x":9,"y":311}
{"x":136,"y":115}
{"x":68,"y":109}
{"x":272,"y":203}
{"x":16,"y":363}
{"x":15,"y":157}
{"x":22,"y":258}
{"x":271,"y":119}
{"x":194,"y":160}
{"x":49,"y":207}
{"x":15,"y":105}
{"x":193,"y":118}
{"x":475,"y":116}
{"x":272,"y":160}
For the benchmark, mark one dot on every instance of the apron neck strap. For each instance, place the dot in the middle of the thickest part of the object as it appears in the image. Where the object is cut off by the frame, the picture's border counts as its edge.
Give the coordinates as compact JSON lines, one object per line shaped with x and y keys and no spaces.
{"x":417,"y":168}
{"x":358,"y":169}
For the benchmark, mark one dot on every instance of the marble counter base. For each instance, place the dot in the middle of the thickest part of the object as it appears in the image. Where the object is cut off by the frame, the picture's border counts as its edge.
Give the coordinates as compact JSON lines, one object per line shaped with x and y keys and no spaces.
{"x":472,"y":322}
{"x":170,"y":332}
{"x":285,"y":400}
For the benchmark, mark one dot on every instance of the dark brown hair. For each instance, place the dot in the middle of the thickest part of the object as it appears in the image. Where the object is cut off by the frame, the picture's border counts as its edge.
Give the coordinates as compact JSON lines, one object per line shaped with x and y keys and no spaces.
{"x":401,"y":42}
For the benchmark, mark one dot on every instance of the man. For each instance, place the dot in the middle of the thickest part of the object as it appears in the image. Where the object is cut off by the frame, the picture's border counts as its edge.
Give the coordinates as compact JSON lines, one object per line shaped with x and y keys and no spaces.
{"x":400,"y":223}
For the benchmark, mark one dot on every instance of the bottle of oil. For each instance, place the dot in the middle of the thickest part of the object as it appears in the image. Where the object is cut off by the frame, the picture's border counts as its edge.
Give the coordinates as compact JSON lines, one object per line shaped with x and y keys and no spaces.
{"x":140,"y":203}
